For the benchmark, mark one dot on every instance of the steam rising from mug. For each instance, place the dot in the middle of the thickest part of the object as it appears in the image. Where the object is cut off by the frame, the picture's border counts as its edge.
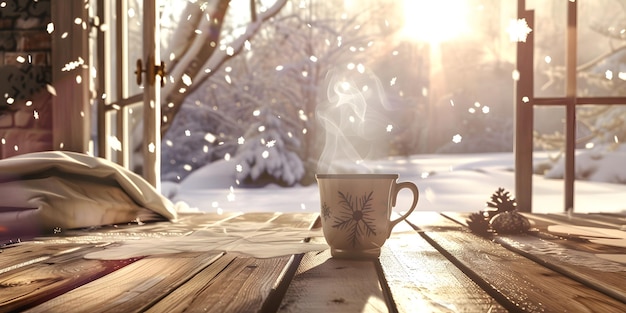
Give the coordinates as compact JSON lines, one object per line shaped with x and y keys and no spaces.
{"x":353,"y":121}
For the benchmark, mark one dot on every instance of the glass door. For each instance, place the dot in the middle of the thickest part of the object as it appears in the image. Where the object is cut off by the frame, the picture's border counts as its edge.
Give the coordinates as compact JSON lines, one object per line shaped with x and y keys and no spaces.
{"x":128,"y":79}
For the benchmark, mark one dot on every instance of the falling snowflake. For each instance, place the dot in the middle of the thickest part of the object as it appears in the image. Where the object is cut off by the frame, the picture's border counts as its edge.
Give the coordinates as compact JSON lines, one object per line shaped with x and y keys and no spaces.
{"x":355,"y":217}
{"x":518,"y":30}
{"x":457,"y":138}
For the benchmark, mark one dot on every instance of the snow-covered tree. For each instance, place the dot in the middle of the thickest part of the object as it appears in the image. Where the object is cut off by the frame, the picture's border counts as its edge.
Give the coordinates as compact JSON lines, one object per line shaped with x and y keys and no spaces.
{"x":198,"y":39}
{"x":307,"y":41}
{"x":198,"y":136}
{"x":267,"y":154}
{"x":202,"y":43}
{"x":280,"y":70}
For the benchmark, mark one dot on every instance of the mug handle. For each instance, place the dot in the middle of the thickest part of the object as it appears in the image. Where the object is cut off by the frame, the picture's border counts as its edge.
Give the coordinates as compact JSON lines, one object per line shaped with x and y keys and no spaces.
{"x":395,"y":190}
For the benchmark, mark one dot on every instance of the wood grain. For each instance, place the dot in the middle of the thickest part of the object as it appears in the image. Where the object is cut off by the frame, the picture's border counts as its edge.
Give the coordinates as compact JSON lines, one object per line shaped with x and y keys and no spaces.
{"x":619,"y":219}
{"x":422,"y":280}
{"x":17,"y":256}
{"x":158,"y":282}
{"x":28,"y":286}
{"x":143,"y":282}
{"x":432,"y":265}
{"x":35,"y":271}
{"x":325,"y":284}
{"x":518,"y":283}
{"x":236,"y":283}
{"x":591,"y":220}
{"x":40,"y":249}
{"x":574,"y":258}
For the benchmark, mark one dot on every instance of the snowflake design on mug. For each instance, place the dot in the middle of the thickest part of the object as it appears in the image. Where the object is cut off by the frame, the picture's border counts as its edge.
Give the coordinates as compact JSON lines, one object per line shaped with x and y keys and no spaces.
{"x":355,"y":216}
{"x":325,"y":211}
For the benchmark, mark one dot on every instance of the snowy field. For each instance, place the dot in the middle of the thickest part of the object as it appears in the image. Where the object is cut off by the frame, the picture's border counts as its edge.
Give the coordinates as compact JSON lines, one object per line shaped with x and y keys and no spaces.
{"x":446,"y":183}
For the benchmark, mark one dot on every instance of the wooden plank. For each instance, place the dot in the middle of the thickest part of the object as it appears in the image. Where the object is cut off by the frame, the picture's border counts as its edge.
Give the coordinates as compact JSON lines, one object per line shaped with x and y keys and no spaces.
{"x":574,"y":257}
{"x":144,"y":282}
{"x":518,"y":283}
{"x":183,"y":297}
{"x":236,"y":283}
{"x":34,"y":271}
{"x":571,"y":64}
{"x":28,"y":286}
{"x":571,"y":243}
{"x":524,"y":113}
{"x":581,"y":100}
{"x":326,"y":284}
{"x":154,"y":281}
{"x":239,"y":284}
{"x":422,"y":280}
{"x":581,"y":220}
{"x":17,"y":256}
{"x":617,"y":219}
{"x":600,"y":274}
{"x":40,"y":249}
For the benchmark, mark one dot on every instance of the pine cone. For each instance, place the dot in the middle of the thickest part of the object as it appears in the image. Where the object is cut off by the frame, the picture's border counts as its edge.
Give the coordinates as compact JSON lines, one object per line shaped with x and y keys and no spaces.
{"x":478,"y":223}
{"x":501,"y":201}
{"x":510,"y":223}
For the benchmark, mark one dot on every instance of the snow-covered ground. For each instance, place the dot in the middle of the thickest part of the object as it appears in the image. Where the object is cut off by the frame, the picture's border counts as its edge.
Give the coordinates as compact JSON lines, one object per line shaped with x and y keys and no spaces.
{"x":446,"y":182}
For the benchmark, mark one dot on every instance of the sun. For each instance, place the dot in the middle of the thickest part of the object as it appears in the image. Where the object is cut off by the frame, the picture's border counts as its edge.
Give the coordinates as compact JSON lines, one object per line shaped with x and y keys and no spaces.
{"x":434,"y":21}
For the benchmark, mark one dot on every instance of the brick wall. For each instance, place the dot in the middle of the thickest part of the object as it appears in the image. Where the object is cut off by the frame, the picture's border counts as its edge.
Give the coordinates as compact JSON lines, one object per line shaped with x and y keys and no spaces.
{"x":25,"y":71}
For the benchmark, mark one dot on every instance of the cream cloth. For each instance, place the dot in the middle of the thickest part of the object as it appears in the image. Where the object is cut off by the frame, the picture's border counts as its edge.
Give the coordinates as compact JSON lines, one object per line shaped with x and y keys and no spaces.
{"x":61,"y":190}
{"x":254,"y":239}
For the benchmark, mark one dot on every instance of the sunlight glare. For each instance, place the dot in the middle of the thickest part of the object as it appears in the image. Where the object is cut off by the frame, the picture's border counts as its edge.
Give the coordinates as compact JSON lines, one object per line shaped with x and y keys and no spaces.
{"x":435,"y":21}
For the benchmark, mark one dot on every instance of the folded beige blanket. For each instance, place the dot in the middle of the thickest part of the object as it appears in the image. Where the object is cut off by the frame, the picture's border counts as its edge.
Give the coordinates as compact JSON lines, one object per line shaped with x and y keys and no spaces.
{"x":56,"y":190}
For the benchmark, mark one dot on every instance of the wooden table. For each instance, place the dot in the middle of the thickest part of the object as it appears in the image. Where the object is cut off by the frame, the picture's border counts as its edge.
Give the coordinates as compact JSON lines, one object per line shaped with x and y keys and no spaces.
{"x":432,"y":263}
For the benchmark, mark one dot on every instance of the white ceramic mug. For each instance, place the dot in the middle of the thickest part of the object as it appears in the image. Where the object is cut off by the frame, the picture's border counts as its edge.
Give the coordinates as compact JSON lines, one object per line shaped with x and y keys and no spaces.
{"x":356,"y":211}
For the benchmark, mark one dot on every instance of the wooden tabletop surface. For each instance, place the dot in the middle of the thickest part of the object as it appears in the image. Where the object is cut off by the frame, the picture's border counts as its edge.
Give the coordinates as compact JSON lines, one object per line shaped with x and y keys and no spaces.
{"x":431,"y":263}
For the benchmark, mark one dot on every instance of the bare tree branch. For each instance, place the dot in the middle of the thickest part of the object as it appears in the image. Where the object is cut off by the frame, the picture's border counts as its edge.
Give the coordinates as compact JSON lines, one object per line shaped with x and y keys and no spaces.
{"x":204,"y":57}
